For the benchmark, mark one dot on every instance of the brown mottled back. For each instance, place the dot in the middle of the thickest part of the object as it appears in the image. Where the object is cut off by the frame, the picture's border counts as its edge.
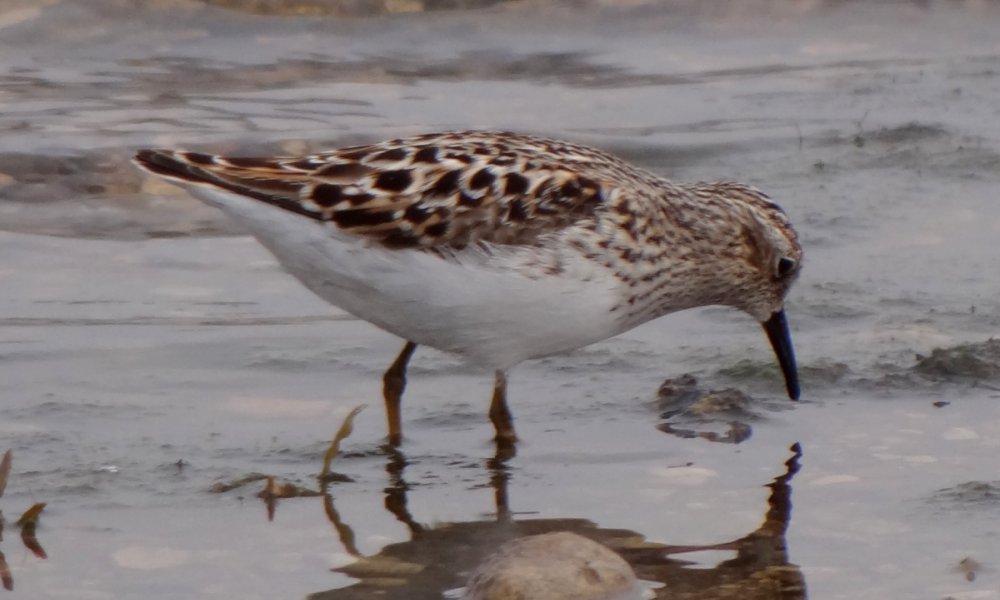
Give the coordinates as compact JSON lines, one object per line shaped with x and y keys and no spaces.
{"x":438,"y":190}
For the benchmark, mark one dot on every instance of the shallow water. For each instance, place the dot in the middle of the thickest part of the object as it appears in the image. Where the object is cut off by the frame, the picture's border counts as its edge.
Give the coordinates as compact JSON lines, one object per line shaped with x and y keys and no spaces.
{"x":138,"y":329}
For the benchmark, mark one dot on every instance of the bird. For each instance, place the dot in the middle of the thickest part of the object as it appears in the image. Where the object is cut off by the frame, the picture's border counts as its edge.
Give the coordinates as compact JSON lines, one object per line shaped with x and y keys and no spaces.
{"x":502,"y":247}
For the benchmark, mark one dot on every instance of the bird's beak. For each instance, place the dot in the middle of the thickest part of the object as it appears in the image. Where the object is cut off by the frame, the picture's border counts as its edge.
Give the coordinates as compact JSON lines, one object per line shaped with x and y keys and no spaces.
{"x":777,"y":331}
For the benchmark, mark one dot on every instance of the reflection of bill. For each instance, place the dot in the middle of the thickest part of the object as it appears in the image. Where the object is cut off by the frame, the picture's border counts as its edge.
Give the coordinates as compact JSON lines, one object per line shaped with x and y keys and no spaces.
{"x":438,"y":558}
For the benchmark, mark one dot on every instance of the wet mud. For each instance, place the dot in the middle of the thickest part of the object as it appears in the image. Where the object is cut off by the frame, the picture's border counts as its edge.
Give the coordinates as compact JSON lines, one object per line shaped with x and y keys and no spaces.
{"x":169,"y":394}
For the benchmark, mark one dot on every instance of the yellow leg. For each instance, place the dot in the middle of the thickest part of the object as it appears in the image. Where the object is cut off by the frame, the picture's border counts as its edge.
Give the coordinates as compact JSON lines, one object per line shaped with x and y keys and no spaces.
{"x":393,"y":384}
{"x":500,"y":414}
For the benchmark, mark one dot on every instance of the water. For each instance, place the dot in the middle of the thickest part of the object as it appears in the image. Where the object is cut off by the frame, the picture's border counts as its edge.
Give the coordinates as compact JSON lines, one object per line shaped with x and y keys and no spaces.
{"x":139,"y":329}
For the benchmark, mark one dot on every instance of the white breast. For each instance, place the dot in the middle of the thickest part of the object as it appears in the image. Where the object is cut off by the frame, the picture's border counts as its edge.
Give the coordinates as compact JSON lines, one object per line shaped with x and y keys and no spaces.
{"x":481,"y":307}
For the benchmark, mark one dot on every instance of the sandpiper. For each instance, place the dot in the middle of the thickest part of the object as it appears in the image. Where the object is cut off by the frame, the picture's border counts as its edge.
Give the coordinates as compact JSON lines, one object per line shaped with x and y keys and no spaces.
{"x":502,"y":247}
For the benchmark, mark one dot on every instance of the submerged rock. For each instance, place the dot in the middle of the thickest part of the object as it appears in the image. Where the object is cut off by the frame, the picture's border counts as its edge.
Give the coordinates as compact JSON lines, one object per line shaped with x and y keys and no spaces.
{"x":553,"y":566}
{"x":983,"y":494}
{"x":966,"y":361}
{"x":690,"y":411}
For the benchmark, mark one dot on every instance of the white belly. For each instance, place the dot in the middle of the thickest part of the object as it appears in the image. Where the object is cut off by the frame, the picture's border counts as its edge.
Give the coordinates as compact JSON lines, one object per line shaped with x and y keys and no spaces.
{"x":491,"y":315}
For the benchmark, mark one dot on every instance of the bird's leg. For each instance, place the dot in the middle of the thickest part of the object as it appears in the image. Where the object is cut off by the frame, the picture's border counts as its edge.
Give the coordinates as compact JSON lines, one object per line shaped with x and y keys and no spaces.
{"x":393,"y":384}
{"x":500,"y":414}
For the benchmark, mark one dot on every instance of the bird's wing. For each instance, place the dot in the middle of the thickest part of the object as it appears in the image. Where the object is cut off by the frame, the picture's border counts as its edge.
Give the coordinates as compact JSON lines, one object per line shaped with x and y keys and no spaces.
{"x":433,"y":191}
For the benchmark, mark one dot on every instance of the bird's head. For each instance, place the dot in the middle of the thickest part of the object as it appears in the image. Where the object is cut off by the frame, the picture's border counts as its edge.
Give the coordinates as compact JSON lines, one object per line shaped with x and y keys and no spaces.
{"x":765,"y":257}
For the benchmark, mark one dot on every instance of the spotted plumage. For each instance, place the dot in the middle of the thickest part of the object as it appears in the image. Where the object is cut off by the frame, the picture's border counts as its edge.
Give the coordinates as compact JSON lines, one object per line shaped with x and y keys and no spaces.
{"x":443,"y":190}
{"x":500,"y":246}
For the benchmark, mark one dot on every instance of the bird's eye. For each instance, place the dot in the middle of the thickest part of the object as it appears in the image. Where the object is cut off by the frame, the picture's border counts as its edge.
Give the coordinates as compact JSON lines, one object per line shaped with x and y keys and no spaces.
{"x":785,"y":266}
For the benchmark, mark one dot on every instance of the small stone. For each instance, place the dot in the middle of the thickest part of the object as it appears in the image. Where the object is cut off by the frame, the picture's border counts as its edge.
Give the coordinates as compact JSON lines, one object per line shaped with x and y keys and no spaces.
{"x":554,"y":566}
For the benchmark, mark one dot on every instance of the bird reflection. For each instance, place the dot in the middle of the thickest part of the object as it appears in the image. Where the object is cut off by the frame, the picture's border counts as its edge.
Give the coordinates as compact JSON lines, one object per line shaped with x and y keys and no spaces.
{"x":438,"y":558}
{"x":760,"y":570}
{"x":395,"y":494}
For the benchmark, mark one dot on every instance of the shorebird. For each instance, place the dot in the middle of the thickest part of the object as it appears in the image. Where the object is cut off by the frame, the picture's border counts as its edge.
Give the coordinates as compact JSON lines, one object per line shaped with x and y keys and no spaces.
{"x":501,"y":247}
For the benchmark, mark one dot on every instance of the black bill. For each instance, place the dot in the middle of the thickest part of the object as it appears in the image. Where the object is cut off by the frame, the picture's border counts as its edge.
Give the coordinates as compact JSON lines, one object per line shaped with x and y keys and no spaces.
{"x":777,"y":331}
